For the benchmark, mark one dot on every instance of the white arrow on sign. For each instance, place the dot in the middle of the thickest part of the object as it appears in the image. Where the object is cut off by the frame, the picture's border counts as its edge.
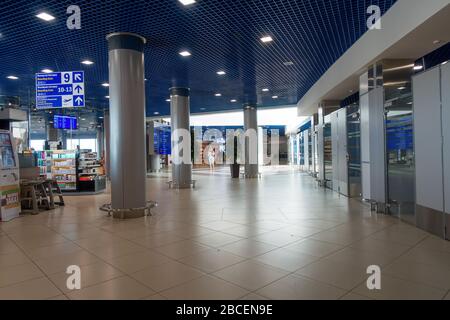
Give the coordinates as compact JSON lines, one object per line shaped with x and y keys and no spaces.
{"x":78,"y":100}
{"x":78,"y":77}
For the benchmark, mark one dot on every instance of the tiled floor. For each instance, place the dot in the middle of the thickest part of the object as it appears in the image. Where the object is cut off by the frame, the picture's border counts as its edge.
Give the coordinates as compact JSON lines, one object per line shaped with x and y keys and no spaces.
{"x":279,"y":237}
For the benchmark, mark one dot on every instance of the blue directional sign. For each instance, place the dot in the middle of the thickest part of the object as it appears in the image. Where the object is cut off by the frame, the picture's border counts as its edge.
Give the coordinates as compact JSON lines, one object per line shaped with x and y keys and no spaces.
{"x":60,"y":90}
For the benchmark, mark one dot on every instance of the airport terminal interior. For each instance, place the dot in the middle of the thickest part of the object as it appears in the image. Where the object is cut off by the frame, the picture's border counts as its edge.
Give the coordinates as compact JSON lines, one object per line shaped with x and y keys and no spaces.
{"x":225,"y":150}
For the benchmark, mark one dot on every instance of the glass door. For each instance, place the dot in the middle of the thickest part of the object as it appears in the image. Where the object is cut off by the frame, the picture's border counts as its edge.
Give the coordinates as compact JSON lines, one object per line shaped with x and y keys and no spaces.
{"x":400,"y":153}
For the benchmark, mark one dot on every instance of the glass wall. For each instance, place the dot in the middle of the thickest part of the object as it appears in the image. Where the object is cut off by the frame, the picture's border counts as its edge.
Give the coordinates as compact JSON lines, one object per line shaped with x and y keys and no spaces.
{"x":400,"y":152}
{"x":90,"y":144}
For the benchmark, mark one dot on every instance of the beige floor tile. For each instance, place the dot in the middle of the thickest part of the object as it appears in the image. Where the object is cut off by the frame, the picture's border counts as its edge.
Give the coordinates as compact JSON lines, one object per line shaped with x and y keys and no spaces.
{"x":37,"y":289}
{"x":402,"y":235}
{"x":39,"y":241}
{"x":155,"y":297}
{"x":337,"y":237}
{"x":253,"y":297}
{"x":387,"y":248}
{"x":354,"y":297}
{"x":299,"y":288}
{"x":137,"y":261}
{"x":90,"y":275}
{"x":220,"y":225}
{"x":398,"y":289}
{"x":314,"y":247}
{"x":181,"y":249}
{"x":270,"y":225}
{"x":114,"y":250}
{"x":205,"y":288}
{"x":166,"y":276}
{"x":277,"y":238}
{"x":250,"y":275}
{"x":7,"y":245}
{"x":301,"y":231}
{"x":123,"y":288}
{"x":248,"y":248}
{"x":435,"y":258}
{"x":360,"y":257}
{"x":61,"y":297}
{"x":217,"y":239}
{"x":345,"y":276}
{"x":15,"y":274}
{"x":434,"y":244}
{"x":245,"y":231}
{"x":158,"y":239}
{"x":432,"y":275}
{"x":212,"y":260}
{"x":60,"y":263}
{"x":192,"y":231}
{"x":85,"y":234}
{"x":13,"y":259}
{"x":53,"y":250}
{"x":286,"y":259}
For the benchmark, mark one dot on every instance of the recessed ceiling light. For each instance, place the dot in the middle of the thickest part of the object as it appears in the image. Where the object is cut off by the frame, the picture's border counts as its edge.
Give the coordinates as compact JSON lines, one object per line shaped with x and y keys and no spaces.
{"x":266,"y":39}
{"x":100,"y":117}
{"x":265,"y":90}
{"x":187,"y":2}
{"x":410,"y":103}
{"x":107,"y":97}
{"x":12,"y":77}
{"x":202,"y":109}
{"x":83,"y":119}
{"x":185,"y":53}
{"x":156,"y":113}
{"x":47,"y":71}
{"x":87,"y":62}
{"x":221,"y":73}
{"x":45,"y":16}
{"x":274,"y":97}
{"x":218,"y":94}
{"x":233,"y":100}
{"x":444,"y":63}
{"x":168,"y":100}
{"x":105,"y":84}
{"x":402,"y":88}
{"x":418,"y":67}
{"x":288,"y":63}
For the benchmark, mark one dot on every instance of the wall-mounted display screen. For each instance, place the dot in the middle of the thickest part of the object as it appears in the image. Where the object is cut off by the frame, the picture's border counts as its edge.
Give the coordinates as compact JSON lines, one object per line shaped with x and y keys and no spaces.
{"x":162,"y":140}
{"x":65,"y":122}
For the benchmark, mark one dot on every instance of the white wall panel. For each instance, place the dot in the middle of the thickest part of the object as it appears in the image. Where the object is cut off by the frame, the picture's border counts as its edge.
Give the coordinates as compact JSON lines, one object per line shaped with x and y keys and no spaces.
{"x":335,"y":149}
{"x":445,"y":89}
{"x":342,"y":152}
{"x":377,"y":145}
{"x":365,"y":147}
{"x":428,"y":139}
{"x":306,"y":140}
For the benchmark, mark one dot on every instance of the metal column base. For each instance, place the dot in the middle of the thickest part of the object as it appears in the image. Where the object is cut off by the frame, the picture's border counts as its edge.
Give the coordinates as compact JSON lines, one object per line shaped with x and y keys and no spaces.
{"x":174,"y":185}
{"x":248,"y":176}
{"x":132,"y":213}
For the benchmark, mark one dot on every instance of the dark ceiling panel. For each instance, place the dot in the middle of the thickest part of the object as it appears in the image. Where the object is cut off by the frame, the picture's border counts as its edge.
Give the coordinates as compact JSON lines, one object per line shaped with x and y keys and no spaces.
{"x":221,"y":34}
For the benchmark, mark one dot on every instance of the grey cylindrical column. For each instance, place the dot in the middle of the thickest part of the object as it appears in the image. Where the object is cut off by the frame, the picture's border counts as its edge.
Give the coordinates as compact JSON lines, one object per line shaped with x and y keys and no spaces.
{"x":251,"y":141}
{"x":127,"y":124}
{"x":107,"y":142}
{"x":100,"y":139}
{"x":180,"y":114}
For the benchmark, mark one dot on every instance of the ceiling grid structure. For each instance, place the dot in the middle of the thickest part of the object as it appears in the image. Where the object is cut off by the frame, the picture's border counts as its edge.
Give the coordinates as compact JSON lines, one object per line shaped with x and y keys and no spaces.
{"x":308,"y":37}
